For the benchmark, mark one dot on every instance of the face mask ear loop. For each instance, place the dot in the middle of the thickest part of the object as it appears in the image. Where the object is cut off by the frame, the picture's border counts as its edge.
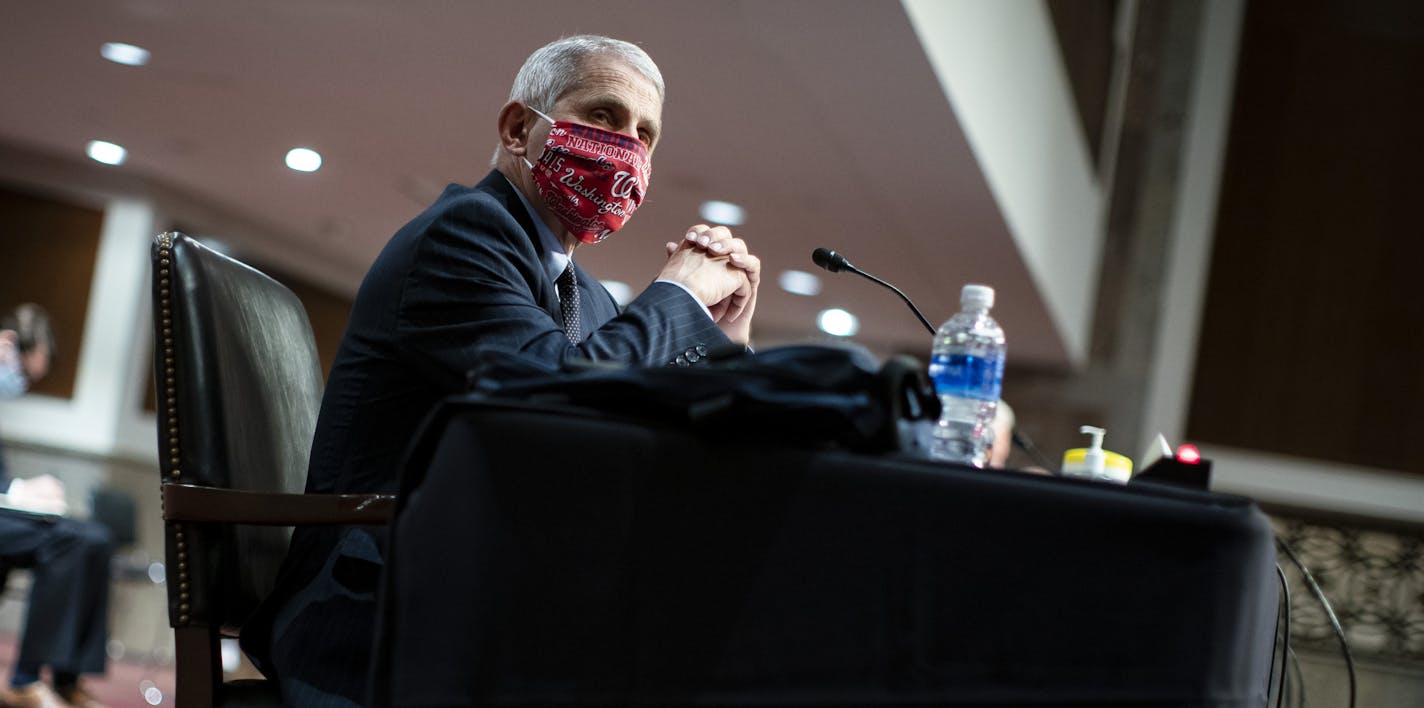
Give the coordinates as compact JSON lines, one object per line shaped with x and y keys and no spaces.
{"x":547,"y":119}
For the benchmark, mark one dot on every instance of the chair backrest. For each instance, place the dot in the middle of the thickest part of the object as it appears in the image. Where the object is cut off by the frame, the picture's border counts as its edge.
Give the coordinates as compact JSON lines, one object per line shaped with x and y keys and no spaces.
{"x":239,"y":386}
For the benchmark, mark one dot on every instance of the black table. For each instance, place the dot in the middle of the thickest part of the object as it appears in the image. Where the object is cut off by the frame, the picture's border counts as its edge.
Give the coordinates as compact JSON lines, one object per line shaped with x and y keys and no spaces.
{"x":545,"y":554}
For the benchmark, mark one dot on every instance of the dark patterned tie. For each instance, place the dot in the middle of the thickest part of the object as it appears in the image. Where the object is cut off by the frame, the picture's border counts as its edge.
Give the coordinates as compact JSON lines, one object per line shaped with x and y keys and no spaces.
{"x":569,"y":303}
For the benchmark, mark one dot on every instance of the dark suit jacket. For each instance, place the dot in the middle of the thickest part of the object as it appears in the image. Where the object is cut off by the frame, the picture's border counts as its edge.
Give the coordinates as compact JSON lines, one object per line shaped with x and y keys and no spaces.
{"x":463,"y":277}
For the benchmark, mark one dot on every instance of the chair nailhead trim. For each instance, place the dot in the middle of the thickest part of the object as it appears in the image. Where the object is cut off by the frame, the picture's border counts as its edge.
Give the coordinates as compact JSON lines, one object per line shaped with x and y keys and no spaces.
{"x":170,"y":387}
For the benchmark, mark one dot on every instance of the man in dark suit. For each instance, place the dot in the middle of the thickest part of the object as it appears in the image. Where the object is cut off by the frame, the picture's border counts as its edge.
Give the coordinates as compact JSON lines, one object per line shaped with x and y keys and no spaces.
{"x":487,"y":268}
{"x":66,"y":623}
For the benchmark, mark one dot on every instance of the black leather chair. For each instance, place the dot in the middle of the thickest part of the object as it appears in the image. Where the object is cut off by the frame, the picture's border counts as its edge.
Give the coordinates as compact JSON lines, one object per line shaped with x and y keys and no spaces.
{"x":239,"y":386}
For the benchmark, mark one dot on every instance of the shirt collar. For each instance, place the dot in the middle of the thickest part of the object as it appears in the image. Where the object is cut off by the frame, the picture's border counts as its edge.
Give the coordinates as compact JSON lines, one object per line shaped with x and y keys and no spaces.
{"x":552,"y":253}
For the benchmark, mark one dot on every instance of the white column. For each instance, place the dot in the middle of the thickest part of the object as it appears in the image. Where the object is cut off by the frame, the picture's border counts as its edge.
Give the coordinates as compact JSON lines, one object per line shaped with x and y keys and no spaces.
{"x":1000,"y":66}
{"x":88,"y":422}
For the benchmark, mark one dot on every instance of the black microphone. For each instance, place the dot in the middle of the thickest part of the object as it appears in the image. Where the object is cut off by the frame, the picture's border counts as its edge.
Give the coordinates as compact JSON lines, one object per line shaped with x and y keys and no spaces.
{"x":830,"y":260}
{"x":835,"y":263}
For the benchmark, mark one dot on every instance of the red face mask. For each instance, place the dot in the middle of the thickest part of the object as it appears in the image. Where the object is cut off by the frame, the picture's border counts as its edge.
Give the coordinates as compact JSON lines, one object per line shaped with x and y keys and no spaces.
{"x":592,"y":180}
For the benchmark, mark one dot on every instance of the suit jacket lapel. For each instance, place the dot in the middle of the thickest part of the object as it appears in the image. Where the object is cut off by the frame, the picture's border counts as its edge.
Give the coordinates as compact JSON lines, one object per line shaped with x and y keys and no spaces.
{"x":498,"y":186}
{"x":596,"y":305}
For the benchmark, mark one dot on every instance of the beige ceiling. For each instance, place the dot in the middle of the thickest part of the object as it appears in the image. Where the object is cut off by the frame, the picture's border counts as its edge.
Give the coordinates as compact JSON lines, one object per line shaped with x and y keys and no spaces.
{"x":822,"y":118}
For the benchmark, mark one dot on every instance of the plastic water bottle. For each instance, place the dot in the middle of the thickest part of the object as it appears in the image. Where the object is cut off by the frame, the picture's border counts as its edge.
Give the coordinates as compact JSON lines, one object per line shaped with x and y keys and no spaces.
{"x":967,"y":367}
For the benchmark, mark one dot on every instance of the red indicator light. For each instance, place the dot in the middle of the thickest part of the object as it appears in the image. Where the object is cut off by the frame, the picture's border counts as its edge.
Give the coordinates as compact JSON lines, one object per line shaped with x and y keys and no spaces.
{"x":1188,"y":454}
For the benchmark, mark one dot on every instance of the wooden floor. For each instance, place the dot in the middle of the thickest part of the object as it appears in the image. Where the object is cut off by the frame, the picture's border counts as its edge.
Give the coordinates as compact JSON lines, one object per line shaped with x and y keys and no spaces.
{"x":125,"y":684}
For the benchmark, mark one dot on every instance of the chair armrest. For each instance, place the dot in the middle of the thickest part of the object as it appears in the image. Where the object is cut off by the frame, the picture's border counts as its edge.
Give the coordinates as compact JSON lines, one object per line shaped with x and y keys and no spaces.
{"x":193,"y":503}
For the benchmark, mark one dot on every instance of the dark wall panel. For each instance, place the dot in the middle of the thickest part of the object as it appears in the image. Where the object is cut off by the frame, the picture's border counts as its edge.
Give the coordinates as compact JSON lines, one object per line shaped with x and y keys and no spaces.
{"x":1312,"y":340}
{"x":47,"y":251}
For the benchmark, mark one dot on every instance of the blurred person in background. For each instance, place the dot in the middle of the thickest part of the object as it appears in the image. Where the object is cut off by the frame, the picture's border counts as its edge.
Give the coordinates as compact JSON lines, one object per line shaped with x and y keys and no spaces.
{"x":1003,"y":430}
{"x":26,"y":350}
{"x":67,"y":619}
{"x":1002,"y":446}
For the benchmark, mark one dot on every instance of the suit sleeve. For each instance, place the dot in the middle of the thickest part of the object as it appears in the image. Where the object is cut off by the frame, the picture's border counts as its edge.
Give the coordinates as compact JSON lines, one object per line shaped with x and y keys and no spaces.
{"x":472,"y":287}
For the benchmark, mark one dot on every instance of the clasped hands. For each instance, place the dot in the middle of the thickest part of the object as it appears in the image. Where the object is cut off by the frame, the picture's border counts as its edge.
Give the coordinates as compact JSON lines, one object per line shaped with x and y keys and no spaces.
{"x":716,"y":267}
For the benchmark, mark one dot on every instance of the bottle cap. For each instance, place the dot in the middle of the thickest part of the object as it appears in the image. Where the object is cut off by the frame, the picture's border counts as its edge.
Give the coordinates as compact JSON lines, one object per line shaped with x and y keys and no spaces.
{"x":976,"y":297}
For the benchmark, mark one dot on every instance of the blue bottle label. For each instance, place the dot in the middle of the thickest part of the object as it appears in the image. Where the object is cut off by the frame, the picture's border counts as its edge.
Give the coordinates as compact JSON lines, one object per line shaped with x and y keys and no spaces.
{"x":968,"y":376}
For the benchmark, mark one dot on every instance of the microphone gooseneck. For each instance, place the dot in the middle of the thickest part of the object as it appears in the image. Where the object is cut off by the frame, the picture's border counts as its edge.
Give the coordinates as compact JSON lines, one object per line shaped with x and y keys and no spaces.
{"x":835,"y":263}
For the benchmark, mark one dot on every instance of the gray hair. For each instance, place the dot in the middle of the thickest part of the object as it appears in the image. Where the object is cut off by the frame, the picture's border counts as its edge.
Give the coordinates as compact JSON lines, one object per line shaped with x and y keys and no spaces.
{"x":556,"y":67}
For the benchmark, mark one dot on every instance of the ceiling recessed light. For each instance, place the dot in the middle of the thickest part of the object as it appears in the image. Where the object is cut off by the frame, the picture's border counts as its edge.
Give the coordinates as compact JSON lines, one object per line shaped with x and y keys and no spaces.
{"x":622,"y":294}
{"x":837,"y":322}
{"x":799,"y":282}
{"x":106,"y":152}
{"x":304,"y":159}
{"x":126,"y":54}
{"x":725,"y":213}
